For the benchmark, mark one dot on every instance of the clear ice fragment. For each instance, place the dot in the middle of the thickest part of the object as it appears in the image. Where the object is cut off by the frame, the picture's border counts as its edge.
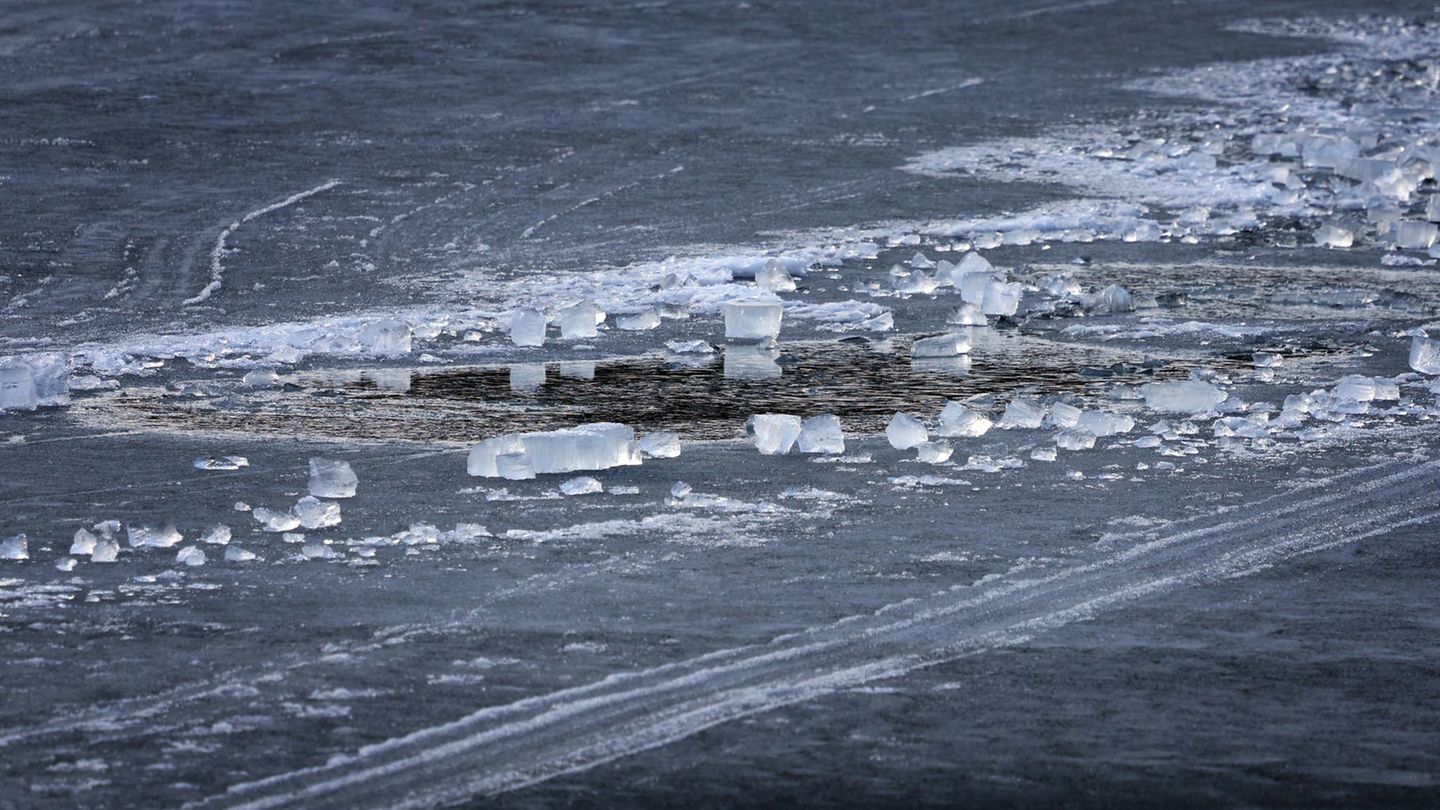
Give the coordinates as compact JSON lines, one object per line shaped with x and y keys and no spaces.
{"x":774,"y":433}
{"x":821,"y":434}
{"x":905,"y":431}
{"x":753,"y":320}
{"x":332,"y":478}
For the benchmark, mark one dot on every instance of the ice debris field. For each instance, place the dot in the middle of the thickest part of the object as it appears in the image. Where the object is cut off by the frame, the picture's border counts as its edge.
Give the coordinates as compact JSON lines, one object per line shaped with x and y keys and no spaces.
{"x":1215,"y":349}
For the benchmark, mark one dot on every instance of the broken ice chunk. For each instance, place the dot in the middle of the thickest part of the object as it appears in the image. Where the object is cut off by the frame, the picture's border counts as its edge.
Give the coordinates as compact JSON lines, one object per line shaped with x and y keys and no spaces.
{"x":314,"y":513}
{"x":1425,"y":354}
{"x":1074,"y":439}
{"x":1355,"y":388}
{"x":17,"y":386}
{"x":680,"y":489}
{"x":388,"y":337}
{"x":1063,"y":415}
{"x":920,"y":261}
{"x":958,"y":420}
{"x":639,"y":321}
{"x":148,"y":537}
{"x":750,"y":362}
{"x":514,"y":467}
{"x":272,"y":521}
{"x":1334,"y":236}
{"x":332,"y":478}
{"x":15,"y":548}
{"x":821,"y":434}
{"x":106,"y":551}
{"x":579,"y":321}
{"x":933,"y":452}
{"x":237,"y":554}
{"x":191,"y":556}
{"x":527,"y":327}
{"x":752,"y":320}
{"x":1186,"y":396}
{"x":1112,"y":299}
{"x":217,"y":535}
{"x":65,"y":563}
{"x":940,"y":346}
{"x":1100,"y":423}
{"x":1265,"y":359}
{"x":84,"y":543}
{"x":597,"y":446}
{"x":526,"y":376}
{"x":582,"y":485}
{"x":1022,"y":413}
{"x":690,"y":346}
{"x":773,"y":276}
{"x":260,"y":378}
{"x":664,"y":444}
{"x":967,"y":315}
{"x":1412,"y":235}
{"x":1043,"y":454}
{"x":905,"y":431}
{"x":774,"y":433}
{"x":1001,"y":298}
{"x":222,"y":463}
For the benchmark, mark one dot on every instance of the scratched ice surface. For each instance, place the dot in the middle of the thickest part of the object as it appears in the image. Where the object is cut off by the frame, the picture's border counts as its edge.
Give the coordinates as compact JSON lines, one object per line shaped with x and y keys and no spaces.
{"x":479,"y":404}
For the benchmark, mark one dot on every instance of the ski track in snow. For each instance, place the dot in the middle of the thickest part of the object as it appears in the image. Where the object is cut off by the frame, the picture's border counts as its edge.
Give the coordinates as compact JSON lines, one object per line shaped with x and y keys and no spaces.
{"x":217,"y":254}
{"x":504,"y":748}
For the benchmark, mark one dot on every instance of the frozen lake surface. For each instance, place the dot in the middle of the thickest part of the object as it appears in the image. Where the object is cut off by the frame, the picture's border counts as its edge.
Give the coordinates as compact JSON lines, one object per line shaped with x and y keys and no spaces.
{"x":528,"y":405}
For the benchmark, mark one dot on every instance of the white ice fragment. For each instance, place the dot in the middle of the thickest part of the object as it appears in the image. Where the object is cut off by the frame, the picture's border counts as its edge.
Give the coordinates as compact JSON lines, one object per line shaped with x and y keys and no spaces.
{"x":318,"y":550}
{"x":1425,"y":354}
{"x":596,"y":446}
{"x":217,"y":535}
{"x":314,"y":513}
{"x":272,"y":521}
{"x":1023,"y":414}
{"x":1063,"y":415}
{"x":526,"y":376}
{"x":664,"y":444}
{"x":774,"y":433}
{"x":1413,"y":235}
{"x":332,"y":478}
{"x":920,"y":261}
{"x":752,"y":320}
{"x":241,"y":506}
{"x":106,"y":551}
{"x":387,"y":337}
{"x":680,"y":490}
{"x":774,"y":277}
{"x":148,"y":537}
{"x":1334,"y":236}
{"x":1043,"y":454}
{"x":940,"y":346}
{"x":933,"y":452}
{"x":514,"y":466}
{"x":638,"y":321}
{"x":65,"y":564}
{"x":527,"y":327}
{"x":579,"y":321}
{"x":905,"y":431}
{"x":958,"y":420}
{"x":1355,"y":388}
{"x":15,"y":548}
{"x":260,"y":378}
{"x":222,"y":463}
{"x":1110,"y":300}
{"x":191,"y":556}
{"x":1001,"y":298}
{"x":821,"y":434}
{"x":967,"y":315}
{"x":84,"y":543}
{"x":1101,"y":423}
{"x":1186,"y":396}
{"x":17,"y":386}
{"x":237,"y":554}
{"x":582,"y":485}
{"x":690,"y":346}
{"x":1266,"y":359}
{"x":1074,"y":439}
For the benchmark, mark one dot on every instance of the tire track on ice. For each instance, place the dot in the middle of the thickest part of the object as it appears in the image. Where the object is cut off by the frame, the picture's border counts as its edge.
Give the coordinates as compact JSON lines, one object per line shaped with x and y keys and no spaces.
{"x":503,"y":748}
